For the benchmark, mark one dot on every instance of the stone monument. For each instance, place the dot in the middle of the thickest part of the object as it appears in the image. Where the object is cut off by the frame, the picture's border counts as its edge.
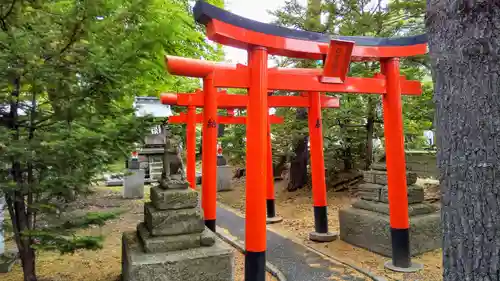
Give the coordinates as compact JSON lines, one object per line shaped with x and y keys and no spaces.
{"x":366,"y":223}
{"x":173,"y":243}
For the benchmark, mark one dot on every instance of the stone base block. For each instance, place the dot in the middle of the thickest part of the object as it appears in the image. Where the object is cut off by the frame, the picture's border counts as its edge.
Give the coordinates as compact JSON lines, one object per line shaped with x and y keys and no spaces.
{"x":158,"y":244}
{"x":323,"y":237}
{"x":415,"y":194}
{"x":371,"y":230}
{"x":380,"y":177}
{"x":213,"y":263}
{"x":173,"y":199}
{"x":173,"y":222}
{"x":383,"y":208}
{"x":369,"y":191}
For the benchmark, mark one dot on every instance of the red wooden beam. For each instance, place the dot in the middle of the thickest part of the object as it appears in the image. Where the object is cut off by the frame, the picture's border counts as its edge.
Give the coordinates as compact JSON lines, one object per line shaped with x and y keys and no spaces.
{"x":182,"y":119}
{"x":287,"y":79}
{"x":238,"y":37}
{"x":225,"y":100}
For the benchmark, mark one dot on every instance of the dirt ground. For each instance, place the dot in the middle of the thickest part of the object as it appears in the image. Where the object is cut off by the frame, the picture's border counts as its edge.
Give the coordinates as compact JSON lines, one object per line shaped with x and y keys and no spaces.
{"x":297,"y":212}
{"x":105,"y":264}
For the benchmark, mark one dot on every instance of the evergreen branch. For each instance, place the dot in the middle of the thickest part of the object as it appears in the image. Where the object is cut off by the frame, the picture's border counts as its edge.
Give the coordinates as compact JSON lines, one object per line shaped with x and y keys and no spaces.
{"x":4,"y":17}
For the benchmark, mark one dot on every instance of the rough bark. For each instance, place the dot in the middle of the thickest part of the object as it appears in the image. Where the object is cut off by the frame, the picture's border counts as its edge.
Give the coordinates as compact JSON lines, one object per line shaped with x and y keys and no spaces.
{"x":298,"y":167}
{"x":16,"y":199}
{"x":464,"y":41}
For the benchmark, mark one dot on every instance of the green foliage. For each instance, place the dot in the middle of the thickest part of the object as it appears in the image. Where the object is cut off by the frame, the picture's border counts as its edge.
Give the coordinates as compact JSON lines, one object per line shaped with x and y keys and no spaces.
{"x":71,"y":70}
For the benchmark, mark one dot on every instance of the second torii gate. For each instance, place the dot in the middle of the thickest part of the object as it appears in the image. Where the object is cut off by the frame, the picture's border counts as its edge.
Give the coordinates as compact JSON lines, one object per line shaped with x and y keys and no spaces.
{"x":313,"y":100}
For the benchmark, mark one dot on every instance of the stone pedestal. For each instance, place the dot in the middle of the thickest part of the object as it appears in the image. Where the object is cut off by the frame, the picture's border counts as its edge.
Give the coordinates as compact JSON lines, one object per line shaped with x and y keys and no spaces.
{"x":366,"y":223}
{"x":173,"y":242}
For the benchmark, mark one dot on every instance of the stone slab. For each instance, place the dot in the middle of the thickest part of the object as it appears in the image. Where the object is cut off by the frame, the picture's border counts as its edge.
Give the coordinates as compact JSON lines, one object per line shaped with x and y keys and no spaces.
{"x":213,"y":263}
{"x":224,"y":176}
{"x":383,"y":208}
{"x":369,"y":191}
{"x":173,"y":222}
{"x":159,"y":244}
{"x":174,"y":184}
{"x":380,"y":177}
{"x":415,"y":194}
{"x":133,"y":184}
{"x":371,"y":230}
{"x":173,"y":199}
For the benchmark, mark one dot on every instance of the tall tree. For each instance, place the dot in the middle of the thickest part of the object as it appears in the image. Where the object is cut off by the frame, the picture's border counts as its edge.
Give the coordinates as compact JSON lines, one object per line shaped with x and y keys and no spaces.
{"x":464,"y":41}
{"x":70,"y":72}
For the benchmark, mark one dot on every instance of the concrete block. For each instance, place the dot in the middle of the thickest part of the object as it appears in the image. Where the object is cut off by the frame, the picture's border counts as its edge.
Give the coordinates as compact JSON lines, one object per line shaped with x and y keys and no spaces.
{"x":369,"y":191}
{"x":383,"y":208}
{"x":415,"y":194}
{"x":161,"y":244}
{"x":224,"y":175}
{"x":173,"y":222}
{"x":173,"y":199}
{"x":371,"y":230}
{"x":133,"y":184}
{"x":213,"y":263}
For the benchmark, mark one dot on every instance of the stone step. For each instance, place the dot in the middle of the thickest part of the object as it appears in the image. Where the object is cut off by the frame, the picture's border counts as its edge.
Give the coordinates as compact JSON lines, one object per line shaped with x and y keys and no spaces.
{"x":173,"y":222}
{"x":383,"y":208}
{"x":158,"y":244}
{"x":380,"y":177}
{"x":369,"y":191}
{"x":415,"y":194}
{"x":195,"y":264}
{"x":173,"y":199}
{"x":377,"y":192}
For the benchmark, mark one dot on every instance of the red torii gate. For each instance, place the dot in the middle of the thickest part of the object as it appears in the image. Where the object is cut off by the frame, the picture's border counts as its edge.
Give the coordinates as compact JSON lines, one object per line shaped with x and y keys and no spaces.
{"x":314,"y":101}
{"x":260,"y":40}
{"x":191,"y":158}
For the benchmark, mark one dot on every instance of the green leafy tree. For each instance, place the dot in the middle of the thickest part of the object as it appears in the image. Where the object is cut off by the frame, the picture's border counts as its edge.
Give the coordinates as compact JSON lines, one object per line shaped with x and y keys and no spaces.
{"x":70,"y":72}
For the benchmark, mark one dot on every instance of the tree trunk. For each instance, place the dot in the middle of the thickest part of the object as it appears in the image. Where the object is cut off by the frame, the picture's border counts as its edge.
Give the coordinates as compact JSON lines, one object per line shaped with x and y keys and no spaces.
{"x":464,"y":41}
{"x":298,"y":165}
{"x":16,"y":199}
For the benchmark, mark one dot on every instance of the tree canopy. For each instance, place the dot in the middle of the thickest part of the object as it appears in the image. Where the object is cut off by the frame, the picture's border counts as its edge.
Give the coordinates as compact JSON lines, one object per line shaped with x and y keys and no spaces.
{"x":70,"y":72}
